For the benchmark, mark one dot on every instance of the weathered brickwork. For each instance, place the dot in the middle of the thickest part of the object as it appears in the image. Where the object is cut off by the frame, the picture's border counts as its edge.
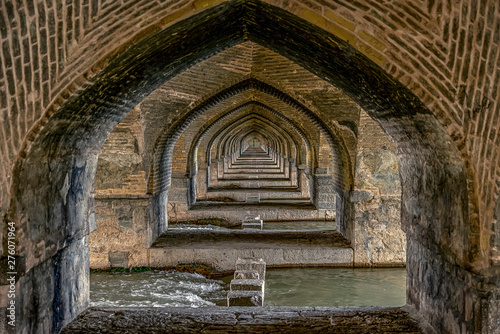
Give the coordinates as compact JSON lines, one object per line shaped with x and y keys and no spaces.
{"x":428,"y":71}
{"x":44,"y":47}
{"x":179,"y":159}
{"x":120,"y":170}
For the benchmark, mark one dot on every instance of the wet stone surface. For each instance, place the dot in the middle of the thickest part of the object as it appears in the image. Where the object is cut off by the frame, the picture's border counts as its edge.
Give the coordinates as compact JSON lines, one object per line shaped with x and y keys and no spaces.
{"x":211,"y":238}
{"x":243,"y":320}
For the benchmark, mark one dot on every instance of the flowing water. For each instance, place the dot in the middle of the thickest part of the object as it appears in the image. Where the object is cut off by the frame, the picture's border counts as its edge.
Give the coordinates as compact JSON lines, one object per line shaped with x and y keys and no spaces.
{"x":284,"y":287}
{"x":284,"y":225}
{"x":300,"y":225}
{"x":155,"y":289}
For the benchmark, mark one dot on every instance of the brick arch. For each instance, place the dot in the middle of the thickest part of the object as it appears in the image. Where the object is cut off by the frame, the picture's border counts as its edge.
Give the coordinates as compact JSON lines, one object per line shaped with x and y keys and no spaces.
{"x":444,"y":53}
{"x":225,"y":140}
{"x":226,"y":137}
{"x":228,"y":141}
{"x":194,"y":146}
{"x":166,"y":141}
{"x":282,"y":138}
{"x":62,"y":158}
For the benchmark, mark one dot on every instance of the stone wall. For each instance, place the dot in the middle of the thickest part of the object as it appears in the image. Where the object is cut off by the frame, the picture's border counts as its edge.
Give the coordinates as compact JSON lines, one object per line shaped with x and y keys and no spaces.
{"x":64,"y":276}
{"x":450,"y":298}
{"x":122,"y":237}
{"x":427,"y":70}
{"x":379,"y":239}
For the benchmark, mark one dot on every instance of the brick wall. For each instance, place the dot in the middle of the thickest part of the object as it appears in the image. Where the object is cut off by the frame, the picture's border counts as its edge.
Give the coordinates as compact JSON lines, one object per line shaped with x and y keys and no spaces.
{"x":120,"y":168}
{"x":445,"y":52}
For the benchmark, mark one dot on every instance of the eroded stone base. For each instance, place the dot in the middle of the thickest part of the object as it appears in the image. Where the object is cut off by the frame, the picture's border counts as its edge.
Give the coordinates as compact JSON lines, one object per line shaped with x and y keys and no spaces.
{"x":254,"y":320}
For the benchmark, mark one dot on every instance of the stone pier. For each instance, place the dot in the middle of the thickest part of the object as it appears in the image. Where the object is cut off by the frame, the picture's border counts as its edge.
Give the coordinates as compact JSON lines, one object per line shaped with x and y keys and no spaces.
{"x":247,"y":287}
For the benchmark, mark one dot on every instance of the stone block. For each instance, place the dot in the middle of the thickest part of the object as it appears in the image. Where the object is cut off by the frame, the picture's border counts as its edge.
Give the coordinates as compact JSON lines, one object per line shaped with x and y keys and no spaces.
{"x":321,"y":171}
{"x":245,"y":298}
{"x":247,"y":285}
{"x":246,"y":274}
{"x":257,"y":264}
{"x":253,"y":198}
{"x":360,"y":196}
{"x":125,"y":223}
{"x":118,"y":259}
{"x":252,"y":224}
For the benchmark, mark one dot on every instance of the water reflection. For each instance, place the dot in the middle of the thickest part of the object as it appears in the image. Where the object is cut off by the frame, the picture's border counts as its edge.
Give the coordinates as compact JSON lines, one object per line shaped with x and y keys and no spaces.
{"x":282,"y":225}
{"x":284,"y":287}
{"x":300,"y":225}
{"x":335,"y":287}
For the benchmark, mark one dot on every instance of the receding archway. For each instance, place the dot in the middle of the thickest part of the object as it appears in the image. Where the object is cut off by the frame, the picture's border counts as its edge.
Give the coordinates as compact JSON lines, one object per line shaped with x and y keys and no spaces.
{"x":54,"y":182}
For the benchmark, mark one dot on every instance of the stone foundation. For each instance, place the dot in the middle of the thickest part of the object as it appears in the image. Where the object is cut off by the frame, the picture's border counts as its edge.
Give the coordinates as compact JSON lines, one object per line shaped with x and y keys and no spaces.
{"x":449,"y":298}
{"x":255,"y":320}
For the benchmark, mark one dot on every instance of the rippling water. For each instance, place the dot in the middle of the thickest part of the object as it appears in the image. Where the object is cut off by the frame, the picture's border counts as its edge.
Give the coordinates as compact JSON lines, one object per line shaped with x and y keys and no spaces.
{"x":285,"y":225}
{"x":155,"y":289}
{"x":300,"y":225}
{"x":284,"y":287}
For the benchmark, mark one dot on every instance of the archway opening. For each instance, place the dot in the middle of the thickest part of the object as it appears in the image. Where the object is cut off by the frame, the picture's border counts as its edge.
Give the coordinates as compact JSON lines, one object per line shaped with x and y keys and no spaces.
{"x":60,"y":166}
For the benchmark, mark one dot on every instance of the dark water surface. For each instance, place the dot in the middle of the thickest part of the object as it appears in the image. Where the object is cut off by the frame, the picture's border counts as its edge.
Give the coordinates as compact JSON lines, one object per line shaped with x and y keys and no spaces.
{"x":335,"y":287}
{"x":284,"y":287}
{"x":283,"y":225}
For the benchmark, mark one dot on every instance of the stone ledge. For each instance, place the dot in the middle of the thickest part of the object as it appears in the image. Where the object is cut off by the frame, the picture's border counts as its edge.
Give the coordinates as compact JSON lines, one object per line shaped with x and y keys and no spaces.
{"x":224,"y":258}
{"x":216,"y":238}
{"x":345,"y":320}
{"x":121,"y":196}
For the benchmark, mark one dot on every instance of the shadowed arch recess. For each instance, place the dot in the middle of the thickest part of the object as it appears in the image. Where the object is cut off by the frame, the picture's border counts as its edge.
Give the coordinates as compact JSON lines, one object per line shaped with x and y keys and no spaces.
{"x":64,"y":155}
{"x":166,"y":141}
{"x":309,"y":148}
{"x":145,"y":66}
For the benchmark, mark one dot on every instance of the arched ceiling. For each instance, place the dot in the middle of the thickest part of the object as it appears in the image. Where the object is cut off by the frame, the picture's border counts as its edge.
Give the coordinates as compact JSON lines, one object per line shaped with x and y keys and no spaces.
{"x":74,"y":134}
{"x":245,"y":73}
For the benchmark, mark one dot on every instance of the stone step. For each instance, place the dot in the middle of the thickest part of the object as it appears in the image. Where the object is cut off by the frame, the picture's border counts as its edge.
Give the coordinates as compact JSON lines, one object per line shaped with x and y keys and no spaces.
{"x":255,"y":183}
{"x":252,"y":223}
{"x":247,"y":285}
{"x":205,"y":238}
{"x":254,"y":163}
{"x":245,"y":298}
{"x":255,"y":320}
{"x":252,"y":171}
{"x":252,"y":226}
{"x":277,"y":190}
{"x":246,"y":274}
{"x":257,"y":264}
{"x":226,"y":208}
{"x":253,"y":176}
{"x":254,"y":157}
{"x":253,"y":167}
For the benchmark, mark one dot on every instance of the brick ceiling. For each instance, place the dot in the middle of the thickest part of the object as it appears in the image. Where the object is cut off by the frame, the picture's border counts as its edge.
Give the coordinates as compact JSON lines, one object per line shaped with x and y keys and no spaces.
{"x":179,"y":96}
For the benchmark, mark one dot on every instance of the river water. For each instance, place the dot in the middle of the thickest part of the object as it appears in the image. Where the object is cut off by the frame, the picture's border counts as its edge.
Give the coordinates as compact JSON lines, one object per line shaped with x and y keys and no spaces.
{"x":282,"y":225}
{"x":284,"y":287}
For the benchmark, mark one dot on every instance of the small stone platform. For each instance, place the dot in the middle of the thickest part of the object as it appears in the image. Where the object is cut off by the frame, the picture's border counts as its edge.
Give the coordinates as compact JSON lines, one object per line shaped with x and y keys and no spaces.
{"x":255,"y":320}
{"x":247,"y":287}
